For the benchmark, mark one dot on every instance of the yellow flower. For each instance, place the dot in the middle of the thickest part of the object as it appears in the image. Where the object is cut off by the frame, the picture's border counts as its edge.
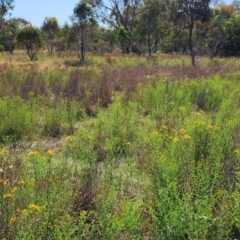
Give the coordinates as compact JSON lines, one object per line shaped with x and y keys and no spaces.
{"x":50,"y":152}
{"x":236,"y":151}
{"x":32,"y":153}
{"x":197,"y":123}
{"x":175,"y":140}
{"x":21,"y":182}
{"x":68,"y":139}
{"x":2,"y":153}
{"x":128,"y":143}
{"x":186,"y":136}
{"x":13,"y":220}
{"x":198,"y":114}
{"x":3,"y":182}
{"x":7,"y":195}
{"x":24,"y":212}
{"x":34,"y":207}
{"x":30,"y":184}
{"x":154,"y":133}
{"x":90,"y":137}
{"x":182,"y":130}
{"x":13,"y":190}
{"x":164,"y":127}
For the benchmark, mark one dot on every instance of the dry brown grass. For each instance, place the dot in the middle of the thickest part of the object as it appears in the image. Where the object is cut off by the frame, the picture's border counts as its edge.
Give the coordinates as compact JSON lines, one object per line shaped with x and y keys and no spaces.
{"x":92,"y":86}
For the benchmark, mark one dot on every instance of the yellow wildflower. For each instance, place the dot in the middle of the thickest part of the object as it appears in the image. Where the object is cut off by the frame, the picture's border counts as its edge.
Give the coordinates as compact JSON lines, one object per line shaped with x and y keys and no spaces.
{"x":175,"y":140}
{"x":7,"y":195}
{"x":21,"y":182}
{"x":164,"y":127}
{"x":236,"y":151}
{"x":24,"y":212}
{"x":50,"y":152}
{"x":186,"y":136}
{"x":32,"y":153}
{"x":198,"y":114}
{"x":90,"y":137}
{"x":30,"y":184}
{"x":154,"y":133}
{"x":3,"y":182}
{"x":13,"y":220}
{"x":182,"y":130}
{"x":68,"y":139}
{"x":13,"y":190}
{"x":128,"y":143}
{"x":2,"y":153}
{"x":34,"y":207}
{"x":198,"y":123}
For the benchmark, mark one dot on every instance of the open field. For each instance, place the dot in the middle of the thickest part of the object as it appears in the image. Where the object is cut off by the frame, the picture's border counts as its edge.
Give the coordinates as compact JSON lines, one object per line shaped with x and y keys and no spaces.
{"x":120,"y":148}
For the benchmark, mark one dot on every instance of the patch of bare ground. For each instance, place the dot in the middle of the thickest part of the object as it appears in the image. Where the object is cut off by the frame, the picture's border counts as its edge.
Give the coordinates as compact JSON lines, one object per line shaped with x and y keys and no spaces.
{"x":53,"y":144}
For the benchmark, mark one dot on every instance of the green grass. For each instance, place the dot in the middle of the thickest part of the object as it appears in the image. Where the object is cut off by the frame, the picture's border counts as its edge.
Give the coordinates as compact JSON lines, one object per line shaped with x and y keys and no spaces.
{"x":134,"y":151}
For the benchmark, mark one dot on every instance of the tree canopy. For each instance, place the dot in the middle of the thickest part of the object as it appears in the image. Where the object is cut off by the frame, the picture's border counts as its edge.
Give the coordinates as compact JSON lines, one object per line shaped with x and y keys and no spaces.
{"x":134,"y":26}
{"x":83,"y":15}
{"x":5,"y":7}
{"x":30,"y":38}
{"x":50,"y":29}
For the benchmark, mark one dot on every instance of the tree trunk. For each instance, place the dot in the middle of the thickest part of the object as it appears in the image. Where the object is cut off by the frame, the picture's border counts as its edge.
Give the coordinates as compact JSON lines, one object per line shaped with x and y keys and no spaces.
{"x":192,"y":52}
{"x":82,"y":44}
{"x":149,"y":41}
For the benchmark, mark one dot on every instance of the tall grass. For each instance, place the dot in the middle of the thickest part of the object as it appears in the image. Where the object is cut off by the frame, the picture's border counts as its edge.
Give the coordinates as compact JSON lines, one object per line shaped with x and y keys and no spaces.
{"x":129,"y":152}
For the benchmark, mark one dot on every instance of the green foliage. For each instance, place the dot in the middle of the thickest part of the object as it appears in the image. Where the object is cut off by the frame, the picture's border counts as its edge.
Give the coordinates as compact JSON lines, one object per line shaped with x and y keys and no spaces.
{"x":230,"y":46}
{"x":158,"y":162}
{"x":123,"y":38}
{"x":83,"y":14}
{"x":8,"y":35}
{"x":15,"y":121}
{"x":5,"y":7}
{"x":30,"y":39}
{"x":50,"y":29}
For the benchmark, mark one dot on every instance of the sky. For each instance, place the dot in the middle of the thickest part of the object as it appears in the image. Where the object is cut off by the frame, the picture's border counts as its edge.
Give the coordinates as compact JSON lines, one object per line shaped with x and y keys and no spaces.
{"x":35,"y":11}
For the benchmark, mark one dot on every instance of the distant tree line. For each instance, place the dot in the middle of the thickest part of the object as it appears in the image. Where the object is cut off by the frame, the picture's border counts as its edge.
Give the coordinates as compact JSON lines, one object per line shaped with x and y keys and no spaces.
{"x":141,"y":27}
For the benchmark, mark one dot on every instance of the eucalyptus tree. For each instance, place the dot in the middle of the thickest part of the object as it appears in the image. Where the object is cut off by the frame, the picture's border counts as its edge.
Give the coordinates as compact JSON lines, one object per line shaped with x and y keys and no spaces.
{"x":118,"y":13}
{"x":9,"y":31}
{"x":83,"y":17}
{"x":8,"y":37}
{"x":30,"y":39}
{"x":50,"y":29}
{"x":61,"y":42}
{"x":231,"y":45}
{"x":5,"y":7}
{"x":189,"y":12}
{"x":218,"y":26}
{"x":150,"y":24}
{"x":123,"y":38}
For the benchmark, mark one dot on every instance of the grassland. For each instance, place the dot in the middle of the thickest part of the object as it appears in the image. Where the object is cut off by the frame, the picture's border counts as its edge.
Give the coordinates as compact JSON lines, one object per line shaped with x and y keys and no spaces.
{"x":120,"y":148}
